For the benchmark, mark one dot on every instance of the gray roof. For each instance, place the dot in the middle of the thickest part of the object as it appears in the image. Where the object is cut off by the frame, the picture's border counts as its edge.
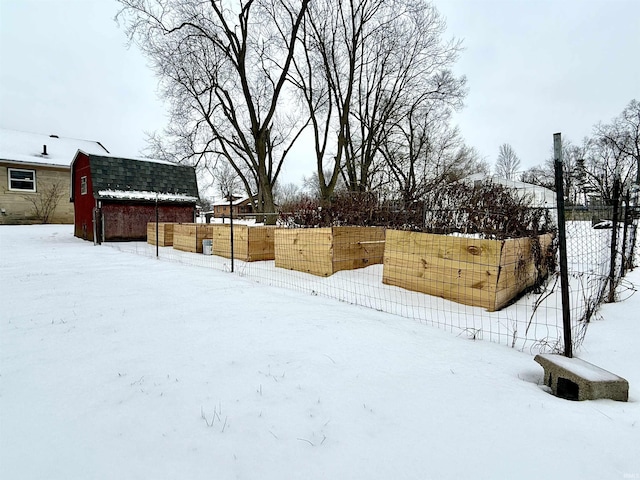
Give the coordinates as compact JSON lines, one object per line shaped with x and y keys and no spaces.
{"x":116,"y":174}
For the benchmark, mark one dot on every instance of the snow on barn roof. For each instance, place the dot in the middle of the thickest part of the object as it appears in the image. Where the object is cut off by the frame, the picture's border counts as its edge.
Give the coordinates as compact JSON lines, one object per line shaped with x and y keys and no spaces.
{"x":35,"y":148}
{"x":145,"y":196}
{"x":141,"y":179}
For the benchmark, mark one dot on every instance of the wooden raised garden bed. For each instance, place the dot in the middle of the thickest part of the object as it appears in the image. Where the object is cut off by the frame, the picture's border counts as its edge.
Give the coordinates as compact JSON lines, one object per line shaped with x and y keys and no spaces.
{"x":188,"y":236}
{"x":324,"y":251}
{"x":250,"y":243}
{"x":482,"y":273}
{"x":165,"y":234}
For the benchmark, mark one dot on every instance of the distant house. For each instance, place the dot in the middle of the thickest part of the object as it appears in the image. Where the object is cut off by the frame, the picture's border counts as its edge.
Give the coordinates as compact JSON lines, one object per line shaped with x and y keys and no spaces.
{"x":114,"y":198}
{"x":34,"y":176}
{"x":241,"y":206}
{"x":540,"y":196}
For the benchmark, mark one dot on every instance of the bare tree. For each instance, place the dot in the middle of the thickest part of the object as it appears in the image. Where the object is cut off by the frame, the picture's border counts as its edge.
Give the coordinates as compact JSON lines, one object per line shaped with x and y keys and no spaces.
{"x":573,"y":175}
{"x":226,"y":180}
{"x":404,"y":63}
{"x":623,"y":137}
{"x":603,"y":163}
{"x":573,"y":161}
{"x":539,"y":175}
{"x":424,"y":151}
{"x":573,"y":156}
{"x":315,"y":80}
{"x":311,"y":186}
{"x":287,"y":193}
{"x":364,"y":64}
{"x":612,"y":152}
{"x":466,"y":161}
{"x":223,"y":69}
{"x":508,"y":163}
{"x":204,"y":200}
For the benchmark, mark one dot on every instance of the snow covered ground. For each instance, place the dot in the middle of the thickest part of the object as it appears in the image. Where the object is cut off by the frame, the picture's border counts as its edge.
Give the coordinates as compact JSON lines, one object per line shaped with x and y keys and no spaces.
{"x":117,"y":366}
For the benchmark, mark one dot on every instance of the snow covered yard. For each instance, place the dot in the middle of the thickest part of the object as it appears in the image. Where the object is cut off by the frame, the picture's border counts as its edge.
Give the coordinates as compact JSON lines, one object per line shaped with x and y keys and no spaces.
{"x":114,"y":365}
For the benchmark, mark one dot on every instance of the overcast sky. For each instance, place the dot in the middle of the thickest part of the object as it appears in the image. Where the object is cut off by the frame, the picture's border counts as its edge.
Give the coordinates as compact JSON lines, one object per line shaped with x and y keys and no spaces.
{"x":533,"y":68}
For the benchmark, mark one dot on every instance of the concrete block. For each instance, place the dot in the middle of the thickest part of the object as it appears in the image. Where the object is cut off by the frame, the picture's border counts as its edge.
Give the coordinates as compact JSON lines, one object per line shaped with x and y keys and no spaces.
{"x":575,"y":379}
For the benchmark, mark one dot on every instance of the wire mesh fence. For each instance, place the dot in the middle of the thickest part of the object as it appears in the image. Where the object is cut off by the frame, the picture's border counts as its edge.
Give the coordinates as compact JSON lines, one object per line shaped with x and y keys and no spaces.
{"x":481,"y":286}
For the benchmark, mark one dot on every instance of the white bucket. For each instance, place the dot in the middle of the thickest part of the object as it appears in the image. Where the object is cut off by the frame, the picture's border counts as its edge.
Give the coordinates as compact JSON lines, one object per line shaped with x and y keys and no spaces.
{"x":207,"y":247}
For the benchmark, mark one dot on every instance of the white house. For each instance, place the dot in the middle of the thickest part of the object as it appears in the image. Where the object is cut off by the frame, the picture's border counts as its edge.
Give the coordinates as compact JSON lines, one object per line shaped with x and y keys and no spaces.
{"x":540,"y":196}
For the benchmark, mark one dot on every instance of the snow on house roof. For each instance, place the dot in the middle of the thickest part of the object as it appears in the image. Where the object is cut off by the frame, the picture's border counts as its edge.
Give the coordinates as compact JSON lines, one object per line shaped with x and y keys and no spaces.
{"x":225,"y":202}
{"x":29,"y":148}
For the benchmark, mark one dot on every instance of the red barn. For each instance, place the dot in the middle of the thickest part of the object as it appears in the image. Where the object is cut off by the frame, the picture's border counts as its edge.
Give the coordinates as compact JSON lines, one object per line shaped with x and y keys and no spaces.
{"x":114,"y":198}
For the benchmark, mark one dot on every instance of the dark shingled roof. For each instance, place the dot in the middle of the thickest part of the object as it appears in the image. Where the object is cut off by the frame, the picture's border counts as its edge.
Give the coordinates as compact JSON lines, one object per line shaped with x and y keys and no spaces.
{"x":132,"y":175}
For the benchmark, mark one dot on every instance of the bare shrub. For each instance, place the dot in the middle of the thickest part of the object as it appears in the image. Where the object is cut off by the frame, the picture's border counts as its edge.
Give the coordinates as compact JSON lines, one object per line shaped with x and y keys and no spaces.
{"x":44,"y":202}
{"x":489,"y":210}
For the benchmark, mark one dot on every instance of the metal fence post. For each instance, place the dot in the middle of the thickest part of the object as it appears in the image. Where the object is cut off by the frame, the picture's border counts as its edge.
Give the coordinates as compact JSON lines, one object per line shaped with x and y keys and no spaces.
{"x":614,"y":240}
{"x":231,"y":227}
{"x":635,"y":215}
{"x":157,"y":239}
{"x":562,"y":241}
{"x":625,"y":235}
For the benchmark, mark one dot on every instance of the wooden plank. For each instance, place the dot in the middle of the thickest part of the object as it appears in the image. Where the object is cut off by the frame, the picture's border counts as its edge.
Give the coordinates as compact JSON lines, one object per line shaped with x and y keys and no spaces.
{"x":188,"y":236}
{"x":457,"y":281}
{"x":463,"y":270}
{"x":304,"y":250}
{"x":315,"y":266}
{"x":433,"y":269}
{"x":184,"y":238}
{"x":151,"y":233}
{"x":250,"y":243}
{"x":222,"y":241}
{"x":479,"y":297}
{"x":485,"y":273}
{"x":261,"y":243}
{"x":302,"y":237}
{"x":300,"y":261}
{"x":357,"y":247}
{"x":168,"y":235}
{"x":470,"y":250}
{"x":165,"y":233}
{"x":318,"y":239}
{"x":324,"y":251}
{"x":519,"y":270}
{"x":440,"y":251}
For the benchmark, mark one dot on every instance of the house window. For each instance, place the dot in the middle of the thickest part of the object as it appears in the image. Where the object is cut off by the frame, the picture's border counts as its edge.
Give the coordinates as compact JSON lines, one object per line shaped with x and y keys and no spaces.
{"x":83,"y":185}
{"x":22,"y":180}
